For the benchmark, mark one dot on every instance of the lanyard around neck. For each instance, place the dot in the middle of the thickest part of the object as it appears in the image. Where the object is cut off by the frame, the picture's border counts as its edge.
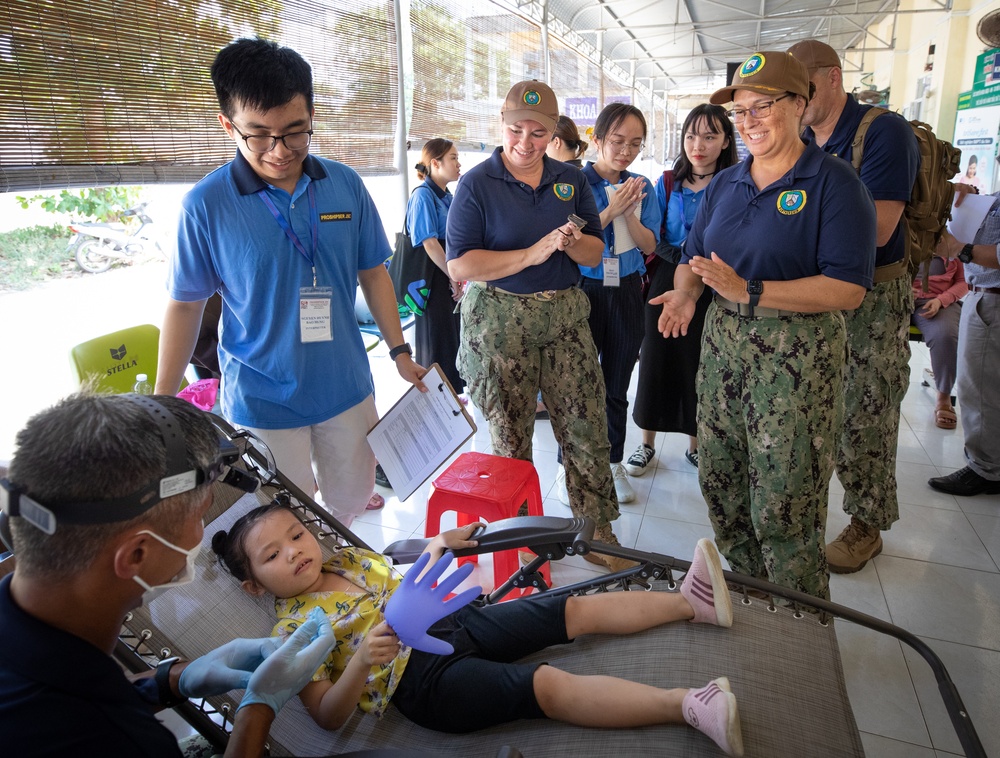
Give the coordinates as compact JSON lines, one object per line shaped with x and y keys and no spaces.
{"x":309,"y":255}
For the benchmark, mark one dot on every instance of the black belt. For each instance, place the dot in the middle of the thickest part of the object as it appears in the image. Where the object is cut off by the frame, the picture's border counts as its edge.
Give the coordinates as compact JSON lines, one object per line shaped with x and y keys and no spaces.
{"x":747,"y":311}
{"x":984,"y":290}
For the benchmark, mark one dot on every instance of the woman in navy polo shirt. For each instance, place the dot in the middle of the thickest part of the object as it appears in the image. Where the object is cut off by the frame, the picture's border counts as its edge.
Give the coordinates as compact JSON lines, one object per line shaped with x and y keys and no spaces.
{"x":436,"y":332}
{"x":519,"y":227}
{"x":787,"y":241}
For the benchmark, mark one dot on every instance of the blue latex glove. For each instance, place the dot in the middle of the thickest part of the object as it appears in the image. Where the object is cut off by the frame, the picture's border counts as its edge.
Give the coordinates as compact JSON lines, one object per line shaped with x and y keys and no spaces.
{"x":417,"y":604}
{"x":291,"y":666}
{"x":226,"y":668}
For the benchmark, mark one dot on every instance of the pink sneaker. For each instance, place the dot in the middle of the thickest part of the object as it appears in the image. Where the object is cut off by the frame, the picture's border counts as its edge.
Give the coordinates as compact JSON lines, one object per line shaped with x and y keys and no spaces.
{"x":704,"y":587}
{"x":375,"y":502}
{"x":712,"y":711}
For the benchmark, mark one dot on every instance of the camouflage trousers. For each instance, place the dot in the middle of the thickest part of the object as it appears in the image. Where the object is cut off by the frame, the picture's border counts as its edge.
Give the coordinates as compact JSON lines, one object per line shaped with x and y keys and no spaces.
{"x":513,"y":346}
{"x":768,"y":410}
{"x":876,"y":376}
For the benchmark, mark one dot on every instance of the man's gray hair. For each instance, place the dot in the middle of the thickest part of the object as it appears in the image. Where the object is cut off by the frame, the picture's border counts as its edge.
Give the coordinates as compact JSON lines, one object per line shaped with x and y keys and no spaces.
{"x":90,"y":448}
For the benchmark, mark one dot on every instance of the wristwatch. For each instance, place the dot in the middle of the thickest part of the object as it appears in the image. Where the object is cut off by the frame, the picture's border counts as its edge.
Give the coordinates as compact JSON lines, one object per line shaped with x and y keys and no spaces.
{"x":755,"y":288}
{"x":966,"y":255}
{"x":162,"y":678}
{"x":398,"y":351}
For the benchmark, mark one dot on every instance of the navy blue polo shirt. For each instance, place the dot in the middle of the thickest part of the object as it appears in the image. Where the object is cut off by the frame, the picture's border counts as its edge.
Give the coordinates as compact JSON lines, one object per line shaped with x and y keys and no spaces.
{"x":494,"y":211}
{"x":817,"y":219}
{"x":60,"y":695}
{"x":889,"y":164}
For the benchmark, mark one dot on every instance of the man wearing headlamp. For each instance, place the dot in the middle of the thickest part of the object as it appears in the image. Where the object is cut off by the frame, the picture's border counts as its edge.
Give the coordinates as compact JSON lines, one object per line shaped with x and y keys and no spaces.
{"x":105,"y":501}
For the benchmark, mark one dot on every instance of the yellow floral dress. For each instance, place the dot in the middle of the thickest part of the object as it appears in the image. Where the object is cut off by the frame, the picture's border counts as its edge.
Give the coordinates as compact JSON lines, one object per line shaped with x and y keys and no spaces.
{"x":352,"y":616}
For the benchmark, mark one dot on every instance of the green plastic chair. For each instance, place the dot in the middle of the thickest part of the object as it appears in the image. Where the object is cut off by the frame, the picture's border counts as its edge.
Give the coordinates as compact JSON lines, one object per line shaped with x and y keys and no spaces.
{"x":113,"y":360}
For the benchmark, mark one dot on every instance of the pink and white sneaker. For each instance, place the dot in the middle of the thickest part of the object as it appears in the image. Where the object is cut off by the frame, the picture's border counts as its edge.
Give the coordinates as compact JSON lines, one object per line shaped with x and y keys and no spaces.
{"x":712,"y":711}
{"x":704,"y":587}
{"x":375,"y":502}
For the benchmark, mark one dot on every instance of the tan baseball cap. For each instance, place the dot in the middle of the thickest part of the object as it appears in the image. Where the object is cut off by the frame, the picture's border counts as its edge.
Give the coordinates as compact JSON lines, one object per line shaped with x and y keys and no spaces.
{"x":768,"y":72}
{"x":533,"y":100}
{"x":815,"y":54}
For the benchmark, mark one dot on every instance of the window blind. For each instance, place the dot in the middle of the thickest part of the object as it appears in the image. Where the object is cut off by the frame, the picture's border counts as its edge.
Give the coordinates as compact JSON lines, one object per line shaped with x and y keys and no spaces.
{"x":98,"y":92}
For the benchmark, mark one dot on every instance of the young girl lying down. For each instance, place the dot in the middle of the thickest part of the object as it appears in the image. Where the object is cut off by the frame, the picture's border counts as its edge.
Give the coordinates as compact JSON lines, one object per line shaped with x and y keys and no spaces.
{"x":270,"y":551}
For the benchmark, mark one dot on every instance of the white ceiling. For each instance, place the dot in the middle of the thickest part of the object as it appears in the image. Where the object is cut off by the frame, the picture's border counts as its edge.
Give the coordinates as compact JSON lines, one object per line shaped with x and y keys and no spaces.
{"x":684,"y":45}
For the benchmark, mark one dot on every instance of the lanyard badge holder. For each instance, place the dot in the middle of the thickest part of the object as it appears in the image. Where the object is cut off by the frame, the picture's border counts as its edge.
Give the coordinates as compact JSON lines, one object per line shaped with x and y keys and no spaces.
{"x":315,"y":312}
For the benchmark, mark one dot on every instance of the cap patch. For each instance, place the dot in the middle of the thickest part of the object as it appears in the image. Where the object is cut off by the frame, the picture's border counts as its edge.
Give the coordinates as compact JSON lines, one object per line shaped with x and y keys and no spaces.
{"x":532,"y":98}
{"x":752,"y":65}
{"x":564,"y":191}
{"x":791,"y":202}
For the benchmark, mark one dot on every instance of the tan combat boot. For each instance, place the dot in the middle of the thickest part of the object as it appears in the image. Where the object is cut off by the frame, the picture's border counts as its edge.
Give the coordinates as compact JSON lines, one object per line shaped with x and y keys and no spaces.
{"x":605,"y":535}
{"x":855,"y":546}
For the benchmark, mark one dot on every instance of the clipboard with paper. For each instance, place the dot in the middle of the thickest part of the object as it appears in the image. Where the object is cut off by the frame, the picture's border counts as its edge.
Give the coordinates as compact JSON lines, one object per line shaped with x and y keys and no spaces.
{"x":420,"y":432}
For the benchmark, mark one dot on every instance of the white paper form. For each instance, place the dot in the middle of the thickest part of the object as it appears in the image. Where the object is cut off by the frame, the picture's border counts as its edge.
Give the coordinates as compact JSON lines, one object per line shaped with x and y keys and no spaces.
{"x":419,"y":433}
{"x":623,"y":237}
{"x":968,"y":217}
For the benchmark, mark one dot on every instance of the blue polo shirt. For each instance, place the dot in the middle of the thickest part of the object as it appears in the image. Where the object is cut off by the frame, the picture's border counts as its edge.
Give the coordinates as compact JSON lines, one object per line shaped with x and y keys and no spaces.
{"x":679,"y":210}
{"x":629,"y":261}
{"x":60,"y":695}
{"x":494,"y":211}
{"x":817,"y":219}
{"x":228,"y":240}
{"x":427,"y":212}
{"x":888,"y":167}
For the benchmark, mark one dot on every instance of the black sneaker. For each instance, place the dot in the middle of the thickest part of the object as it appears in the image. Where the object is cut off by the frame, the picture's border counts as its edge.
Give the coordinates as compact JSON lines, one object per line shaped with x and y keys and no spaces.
{"x":639,"y":461}
{"x":964,"y":483}
{"x":380,"y":478}
{"x":692,"y":457}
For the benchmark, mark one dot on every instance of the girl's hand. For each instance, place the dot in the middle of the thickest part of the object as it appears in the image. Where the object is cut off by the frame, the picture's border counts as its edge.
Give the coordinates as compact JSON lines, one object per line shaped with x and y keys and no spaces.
{"x":380,"y":646}
{"x":459,"y":538}
{"x":630,"y":193}
{"x":931,"y":308}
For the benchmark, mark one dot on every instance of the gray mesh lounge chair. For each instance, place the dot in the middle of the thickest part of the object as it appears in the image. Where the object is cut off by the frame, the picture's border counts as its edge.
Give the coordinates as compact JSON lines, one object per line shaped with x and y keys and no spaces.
{"x":783,"y":663}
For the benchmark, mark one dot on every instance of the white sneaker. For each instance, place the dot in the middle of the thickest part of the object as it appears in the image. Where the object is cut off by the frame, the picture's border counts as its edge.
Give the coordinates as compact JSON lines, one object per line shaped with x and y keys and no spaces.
{"x":638,"y":462}
{"x":623,"y":489}
{"x":561,"y":492}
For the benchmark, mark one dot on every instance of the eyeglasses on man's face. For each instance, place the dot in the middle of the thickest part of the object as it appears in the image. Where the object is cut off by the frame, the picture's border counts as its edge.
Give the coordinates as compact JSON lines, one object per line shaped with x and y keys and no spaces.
{"x":760,"y":110}
{"x":264,"y":143}
{"x":625,"y":148}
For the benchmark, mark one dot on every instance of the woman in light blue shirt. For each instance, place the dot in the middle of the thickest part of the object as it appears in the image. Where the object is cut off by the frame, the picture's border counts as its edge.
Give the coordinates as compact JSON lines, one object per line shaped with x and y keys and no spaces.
{"x":437,"y":330}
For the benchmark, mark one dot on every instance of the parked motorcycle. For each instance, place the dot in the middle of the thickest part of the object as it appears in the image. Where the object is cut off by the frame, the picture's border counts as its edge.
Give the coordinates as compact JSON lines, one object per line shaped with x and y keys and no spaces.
{"x":97,"y":246}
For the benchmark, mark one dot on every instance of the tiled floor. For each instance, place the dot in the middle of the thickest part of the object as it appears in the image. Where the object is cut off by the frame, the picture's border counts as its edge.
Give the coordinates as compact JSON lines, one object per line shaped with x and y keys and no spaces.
{"x":938,"y":576}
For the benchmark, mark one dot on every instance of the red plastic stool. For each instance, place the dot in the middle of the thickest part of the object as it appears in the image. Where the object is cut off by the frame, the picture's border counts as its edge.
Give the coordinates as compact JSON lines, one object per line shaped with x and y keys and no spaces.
{"x":490,"y":488}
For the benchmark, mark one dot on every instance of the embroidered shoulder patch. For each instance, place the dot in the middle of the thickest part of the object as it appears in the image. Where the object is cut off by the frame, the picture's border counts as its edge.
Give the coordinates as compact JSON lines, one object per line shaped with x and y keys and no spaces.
{"x":564,"y":191}
{"x":791,"y":202}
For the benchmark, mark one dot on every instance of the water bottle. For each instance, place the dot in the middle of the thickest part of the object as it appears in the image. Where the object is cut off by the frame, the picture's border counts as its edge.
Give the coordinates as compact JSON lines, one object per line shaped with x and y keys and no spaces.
{"x":142,"y":385}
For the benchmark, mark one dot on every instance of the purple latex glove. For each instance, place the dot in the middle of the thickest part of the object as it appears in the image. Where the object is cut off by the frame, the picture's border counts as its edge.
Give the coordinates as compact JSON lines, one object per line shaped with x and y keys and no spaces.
{"x":417,"y":604}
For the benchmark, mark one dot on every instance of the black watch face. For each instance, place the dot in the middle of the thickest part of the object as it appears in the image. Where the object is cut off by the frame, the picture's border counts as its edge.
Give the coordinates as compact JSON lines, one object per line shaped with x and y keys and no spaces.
{"x":755,"y":287}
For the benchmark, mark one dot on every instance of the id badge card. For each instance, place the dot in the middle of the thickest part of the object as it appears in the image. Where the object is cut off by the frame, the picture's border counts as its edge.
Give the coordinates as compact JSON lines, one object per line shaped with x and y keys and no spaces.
{"x":611,"y":277}
{"x":314,"y":314}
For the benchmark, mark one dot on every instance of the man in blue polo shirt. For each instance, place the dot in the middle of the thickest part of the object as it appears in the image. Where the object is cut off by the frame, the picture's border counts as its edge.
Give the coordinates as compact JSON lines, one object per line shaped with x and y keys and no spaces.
{"x":285,"y":237}
{"x":878,"y":369}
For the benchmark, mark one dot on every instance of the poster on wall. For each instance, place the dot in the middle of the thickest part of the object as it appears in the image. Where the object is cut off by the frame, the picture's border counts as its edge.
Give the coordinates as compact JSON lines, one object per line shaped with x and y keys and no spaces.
{"x":976,"y":136}
{"x":977,"y":126}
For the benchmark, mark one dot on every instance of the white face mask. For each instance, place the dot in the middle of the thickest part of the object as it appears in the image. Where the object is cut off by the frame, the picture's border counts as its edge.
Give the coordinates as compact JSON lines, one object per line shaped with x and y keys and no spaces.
{"x":186,"y":576}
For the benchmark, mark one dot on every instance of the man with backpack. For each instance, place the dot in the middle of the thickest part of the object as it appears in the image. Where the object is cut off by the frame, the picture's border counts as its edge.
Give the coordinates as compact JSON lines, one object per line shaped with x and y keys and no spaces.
{"x":877,"y":371}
